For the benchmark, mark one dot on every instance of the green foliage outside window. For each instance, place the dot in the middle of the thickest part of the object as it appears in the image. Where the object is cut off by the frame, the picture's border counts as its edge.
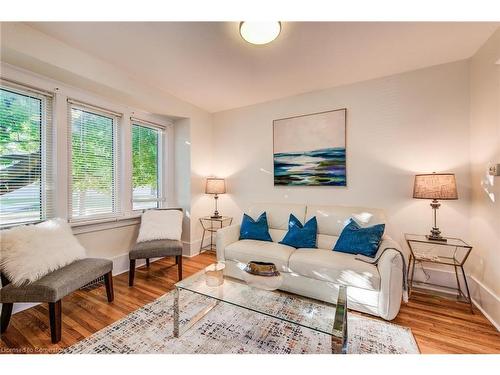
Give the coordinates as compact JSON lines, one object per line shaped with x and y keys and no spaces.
{"x":92,"y":151}
{"x":144,"y":157}
{"x":20,"y":157}
{"x":20,"y":140}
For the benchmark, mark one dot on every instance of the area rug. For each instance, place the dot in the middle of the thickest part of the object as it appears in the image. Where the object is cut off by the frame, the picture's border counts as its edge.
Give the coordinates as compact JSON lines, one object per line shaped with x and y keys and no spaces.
{"x":229,"y":329}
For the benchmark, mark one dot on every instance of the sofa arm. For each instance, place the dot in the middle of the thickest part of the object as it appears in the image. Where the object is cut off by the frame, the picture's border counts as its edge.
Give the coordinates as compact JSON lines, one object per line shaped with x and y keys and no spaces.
{"x":224,"y":237}
{"x":390,"y":267}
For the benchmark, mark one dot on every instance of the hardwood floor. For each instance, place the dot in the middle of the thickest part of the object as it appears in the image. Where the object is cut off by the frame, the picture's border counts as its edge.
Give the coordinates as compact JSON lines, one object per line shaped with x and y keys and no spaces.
{"x":439,"y":325}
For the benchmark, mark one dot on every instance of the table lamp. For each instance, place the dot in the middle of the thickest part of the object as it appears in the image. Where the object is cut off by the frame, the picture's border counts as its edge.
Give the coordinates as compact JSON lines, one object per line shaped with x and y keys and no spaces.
{"x":435,"y":186}
{"x":215,"y":186}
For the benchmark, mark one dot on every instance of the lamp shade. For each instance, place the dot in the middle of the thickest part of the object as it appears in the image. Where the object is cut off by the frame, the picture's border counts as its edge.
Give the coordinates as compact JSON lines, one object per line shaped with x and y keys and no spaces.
{"x":440,"y":186}
{"x":215,"y":186}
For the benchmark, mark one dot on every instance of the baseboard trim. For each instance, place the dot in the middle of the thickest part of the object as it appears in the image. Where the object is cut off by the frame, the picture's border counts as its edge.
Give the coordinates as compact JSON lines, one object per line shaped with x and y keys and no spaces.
{"x":488,"y":298}
{"x":18,"y":307}
{"x":488,"y":316}
{"x":194,"y":248}
{"x":482,"y":297}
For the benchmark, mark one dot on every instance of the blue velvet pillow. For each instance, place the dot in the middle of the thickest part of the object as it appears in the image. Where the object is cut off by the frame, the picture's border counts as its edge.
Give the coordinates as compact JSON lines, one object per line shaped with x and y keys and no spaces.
{"x":255,"y":229}
{"x":299,"y":235}
{"x":357,"y":240}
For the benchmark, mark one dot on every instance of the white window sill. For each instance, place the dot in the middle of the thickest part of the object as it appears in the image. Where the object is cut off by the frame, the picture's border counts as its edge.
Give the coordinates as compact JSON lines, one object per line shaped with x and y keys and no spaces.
{"x":88,"y":226}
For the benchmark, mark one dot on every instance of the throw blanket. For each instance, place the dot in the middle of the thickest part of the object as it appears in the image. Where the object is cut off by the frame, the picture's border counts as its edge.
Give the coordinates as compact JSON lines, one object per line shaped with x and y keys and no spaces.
{"x":389,"y":244}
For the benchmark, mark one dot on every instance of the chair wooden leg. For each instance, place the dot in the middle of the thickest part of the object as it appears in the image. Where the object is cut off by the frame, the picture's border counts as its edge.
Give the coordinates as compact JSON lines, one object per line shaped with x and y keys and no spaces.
{"x":131,"y":273}
{"x":178,"y":259}
{"x":55,"y":321}
{"x":108,"y":280}
{"x":6,"y":314}
{"x":147,"y":262}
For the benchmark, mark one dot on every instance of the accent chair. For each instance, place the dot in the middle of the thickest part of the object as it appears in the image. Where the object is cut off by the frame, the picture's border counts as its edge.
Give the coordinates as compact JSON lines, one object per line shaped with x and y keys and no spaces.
{"x":155,"y":249}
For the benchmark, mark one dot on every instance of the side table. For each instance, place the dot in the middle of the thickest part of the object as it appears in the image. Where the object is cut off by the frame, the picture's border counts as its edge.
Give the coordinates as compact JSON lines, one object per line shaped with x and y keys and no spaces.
{"x":211,"y":225}
{"x":453,"y":252}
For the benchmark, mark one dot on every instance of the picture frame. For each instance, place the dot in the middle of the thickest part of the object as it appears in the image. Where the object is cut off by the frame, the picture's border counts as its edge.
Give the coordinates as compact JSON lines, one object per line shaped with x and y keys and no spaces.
{"x":311,"y":149}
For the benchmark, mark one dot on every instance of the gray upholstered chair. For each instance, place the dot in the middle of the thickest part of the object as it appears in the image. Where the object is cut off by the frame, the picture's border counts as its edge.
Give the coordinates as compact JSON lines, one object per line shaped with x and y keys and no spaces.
{"x":53,"y":287}
{"x":155,"y":249}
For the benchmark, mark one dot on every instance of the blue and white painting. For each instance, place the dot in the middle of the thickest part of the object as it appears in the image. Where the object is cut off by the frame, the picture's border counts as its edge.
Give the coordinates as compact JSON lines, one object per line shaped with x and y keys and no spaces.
{"x":310,"y":150}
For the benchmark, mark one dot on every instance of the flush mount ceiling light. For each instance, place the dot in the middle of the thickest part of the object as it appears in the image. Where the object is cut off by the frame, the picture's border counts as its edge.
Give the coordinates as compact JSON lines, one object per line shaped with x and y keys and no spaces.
{"x":260,"y":32}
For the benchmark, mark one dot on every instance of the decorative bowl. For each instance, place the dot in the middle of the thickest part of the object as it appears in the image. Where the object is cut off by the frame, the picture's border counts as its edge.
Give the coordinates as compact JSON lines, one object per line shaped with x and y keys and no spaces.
{"x":262,"y":269}
{"x":262,"y":275}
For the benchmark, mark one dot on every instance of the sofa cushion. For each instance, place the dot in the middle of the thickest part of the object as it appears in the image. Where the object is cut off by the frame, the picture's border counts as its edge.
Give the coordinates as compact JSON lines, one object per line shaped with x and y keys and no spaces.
{"x":277,"y":234}
{"x":155,"y":249}
{"x":326,"y":242}
{"x":332,"y":219}
{"x":251,"y":229}
{"x":334,"y":267}
{"x":29,"y":252}
{"x":357,"y":240}
{"x":57,"y":284}
{"x":299,"y":235}
{"x":244,"y":251}
{"x":161,"y":224}
{"x":278,"y":213}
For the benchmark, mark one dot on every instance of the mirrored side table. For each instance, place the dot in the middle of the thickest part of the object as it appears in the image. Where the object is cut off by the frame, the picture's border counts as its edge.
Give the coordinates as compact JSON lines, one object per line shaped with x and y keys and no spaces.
{"x":452,"y":253}
{"x":212,"y":225}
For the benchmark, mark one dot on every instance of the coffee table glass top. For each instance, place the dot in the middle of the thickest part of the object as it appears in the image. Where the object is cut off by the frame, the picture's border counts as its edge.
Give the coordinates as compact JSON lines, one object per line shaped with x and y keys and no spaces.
{"x":313,"y":314}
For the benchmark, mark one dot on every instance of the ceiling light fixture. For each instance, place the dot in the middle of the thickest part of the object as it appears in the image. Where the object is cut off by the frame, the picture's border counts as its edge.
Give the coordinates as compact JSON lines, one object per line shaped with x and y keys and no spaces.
{"x":260,"y":32}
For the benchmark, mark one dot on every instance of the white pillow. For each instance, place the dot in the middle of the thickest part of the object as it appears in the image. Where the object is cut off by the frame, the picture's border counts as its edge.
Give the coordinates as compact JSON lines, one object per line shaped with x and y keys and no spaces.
{"x":29,"y":252}
{"x":160,"y":225}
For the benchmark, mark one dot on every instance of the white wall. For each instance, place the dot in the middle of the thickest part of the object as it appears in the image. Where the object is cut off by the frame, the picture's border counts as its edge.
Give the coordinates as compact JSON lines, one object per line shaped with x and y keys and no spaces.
{"x":396,"y":126}
{"x":484,"y":264}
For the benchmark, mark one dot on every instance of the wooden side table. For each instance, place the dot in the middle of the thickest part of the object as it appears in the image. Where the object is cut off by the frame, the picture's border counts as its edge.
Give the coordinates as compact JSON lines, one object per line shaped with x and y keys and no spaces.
{"x":453,"y":253}
{"x":212,"y":225}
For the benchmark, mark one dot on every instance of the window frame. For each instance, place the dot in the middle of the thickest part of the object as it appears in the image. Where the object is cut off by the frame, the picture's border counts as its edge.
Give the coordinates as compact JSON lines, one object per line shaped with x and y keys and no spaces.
{"x":56,"y":200}
{"x":161,"y":160}
{"x":47,"y":149}
{"x":117,"y":209}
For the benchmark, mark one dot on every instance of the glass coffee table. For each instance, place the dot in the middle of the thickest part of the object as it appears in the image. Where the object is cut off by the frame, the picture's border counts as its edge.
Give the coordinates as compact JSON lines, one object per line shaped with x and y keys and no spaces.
{"x":329,"y":319}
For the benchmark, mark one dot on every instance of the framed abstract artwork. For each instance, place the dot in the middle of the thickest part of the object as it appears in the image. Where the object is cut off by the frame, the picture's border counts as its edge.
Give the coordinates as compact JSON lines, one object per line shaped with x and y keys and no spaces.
{"x":310,"y":150}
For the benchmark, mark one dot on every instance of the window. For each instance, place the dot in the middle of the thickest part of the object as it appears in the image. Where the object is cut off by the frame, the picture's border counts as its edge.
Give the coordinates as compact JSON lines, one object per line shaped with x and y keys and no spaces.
{"x":94,"y":161}
{"x":25,"y":155}
{"x":147,"y":144}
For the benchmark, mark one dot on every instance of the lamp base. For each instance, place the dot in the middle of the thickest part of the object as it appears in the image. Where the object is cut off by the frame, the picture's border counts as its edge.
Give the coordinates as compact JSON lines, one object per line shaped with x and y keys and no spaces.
{"x":435,"y":232}
{"x":436,"y":235}
{"x":216,"y":212}
{"x":432,"y":238}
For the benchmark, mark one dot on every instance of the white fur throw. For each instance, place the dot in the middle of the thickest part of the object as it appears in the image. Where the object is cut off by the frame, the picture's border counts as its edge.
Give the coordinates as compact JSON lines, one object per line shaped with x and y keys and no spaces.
{"x":29,"y":252}
{"x":160,"y":225}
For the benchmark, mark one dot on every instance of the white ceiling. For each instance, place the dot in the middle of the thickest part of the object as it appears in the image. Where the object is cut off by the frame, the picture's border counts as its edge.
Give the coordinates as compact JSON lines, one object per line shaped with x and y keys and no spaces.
{"x":209,"y":65}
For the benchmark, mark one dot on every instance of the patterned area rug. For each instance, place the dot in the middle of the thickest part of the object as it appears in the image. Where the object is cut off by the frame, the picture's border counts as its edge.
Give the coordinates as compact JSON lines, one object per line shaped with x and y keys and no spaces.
{"x":229,"y":329}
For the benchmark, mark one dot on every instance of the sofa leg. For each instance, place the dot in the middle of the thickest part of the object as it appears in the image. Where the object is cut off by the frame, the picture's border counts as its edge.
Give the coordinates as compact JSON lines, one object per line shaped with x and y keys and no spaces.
{"x":108,"y":280}
{"x":6,"y":314}
{"x":178,"y":259}
{"x":147,"y":262}
{"x":55,"y":321}
{"x":131,"y":273}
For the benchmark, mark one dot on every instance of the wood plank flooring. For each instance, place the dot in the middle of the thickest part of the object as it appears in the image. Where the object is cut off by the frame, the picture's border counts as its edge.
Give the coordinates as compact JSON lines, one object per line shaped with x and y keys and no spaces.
{"x":438,"y":324}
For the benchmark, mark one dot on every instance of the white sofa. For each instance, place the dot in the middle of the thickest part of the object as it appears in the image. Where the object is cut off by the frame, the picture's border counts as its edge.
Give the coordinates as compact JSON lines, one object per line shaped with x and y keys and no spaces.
{"x":316,"y":273}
